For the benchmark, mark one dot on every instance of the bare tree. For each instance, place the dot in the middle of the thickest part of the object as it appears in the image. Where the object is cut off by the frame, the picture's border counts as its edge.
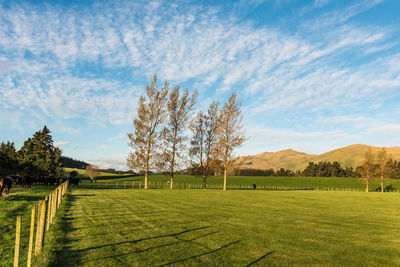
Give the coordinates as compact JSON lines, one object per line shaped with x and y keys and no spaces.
{"x":92,"y":171}
{"x":150,"y":115}
{"x":368,"y":169}
{"x":384,"y":168}
{"x":203,"y":142}
{"x":179,"y":110}
{"x":230,"y":131}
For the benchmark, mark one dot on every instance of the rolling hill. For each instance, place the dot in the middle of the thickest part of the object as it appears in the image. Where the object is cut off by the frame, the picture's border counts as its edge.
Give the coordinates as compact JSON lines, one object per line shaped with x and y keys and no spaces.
{"x":350,"y":156}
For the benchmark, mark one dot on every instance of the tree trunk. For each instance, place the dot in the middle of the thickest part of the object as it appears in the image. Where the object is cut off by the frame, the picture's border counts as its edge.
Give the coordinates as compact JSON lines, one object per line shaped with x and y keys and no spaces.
{"x":146,"y":171}
{"x":224,"y":178}
{"x":382,"y":183}
{"x":145,"y":176}
{"x":173,"y":161}
{"x":366,"y":189}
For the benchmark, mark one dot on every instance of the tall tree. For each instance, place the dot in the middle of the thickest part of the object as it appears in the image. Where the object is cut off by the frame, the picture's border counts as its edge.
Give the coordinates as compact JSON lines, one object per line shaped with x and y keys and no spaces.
{"x":230,"y":131}
{"x":367,"y":169}
{"x":92,"y":171}
{"x":8,"y":159}
{"x":150,"y":115}
{"x":384,"y":168}
{"x":179,"y":110}
{"x":39,"y":157}
{"x":203,"y":142}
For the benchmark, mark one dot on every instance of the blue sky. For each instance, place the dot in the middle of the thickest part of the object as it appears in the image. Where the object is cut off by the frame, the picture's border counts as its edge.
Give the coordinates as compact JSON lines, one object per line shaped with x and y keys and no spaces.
{"x":312,"y":75}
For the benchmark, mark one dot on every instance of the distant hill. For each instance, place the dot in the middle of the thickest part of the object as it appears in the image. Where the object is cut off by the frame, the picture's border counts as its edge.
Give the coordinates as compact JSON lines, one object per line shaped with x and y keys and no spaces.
{"x":349,"y":156}
{"x":68,"y":162}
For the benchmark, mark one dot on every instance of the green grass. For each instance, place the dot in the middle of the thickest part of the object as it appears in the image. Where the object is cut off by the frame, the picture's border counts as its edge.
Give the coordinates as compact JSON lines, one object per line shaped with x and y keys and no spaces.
{"x":81,"y":173}
{"x":297,"y":182}
{"x":16,"y":204}
{"x":232,"y":228}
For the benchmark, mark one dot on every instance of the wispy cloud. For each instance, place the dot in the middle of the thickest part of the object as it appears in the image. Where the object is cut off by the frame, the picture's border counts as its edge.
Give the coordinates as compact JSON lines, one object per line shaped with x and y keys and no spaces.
{"x":61,"y":143}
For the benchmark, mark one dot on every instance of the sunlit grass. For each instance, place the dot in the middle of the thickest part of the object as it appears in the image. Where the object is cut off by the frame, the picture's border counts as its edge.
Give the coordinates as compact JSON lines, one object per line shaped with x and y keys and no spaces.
{"x":232,"y":228}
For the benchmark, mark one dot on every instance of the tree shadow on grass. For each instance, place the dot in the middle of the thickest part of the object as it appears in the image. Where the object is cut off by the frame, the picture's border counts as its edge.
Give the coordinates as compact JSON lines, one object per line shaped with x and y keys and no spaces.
{"x":115,"y":215}
{"x":112,"y":224}
{"x":24,"y":198}
{"x":66,"y":256}
{"x":149,"y":248}
{"x":260,"y":258}
{"x":201,"y":254}
{"x":142,"y":239}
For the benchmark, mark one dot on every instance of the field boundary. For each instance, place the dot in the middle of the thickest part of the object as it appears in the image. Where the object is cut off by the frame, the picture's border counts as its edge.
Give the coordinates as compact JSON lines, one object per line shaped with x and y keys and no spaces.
{"x":42,"y":216}
{"x":179,"y":185}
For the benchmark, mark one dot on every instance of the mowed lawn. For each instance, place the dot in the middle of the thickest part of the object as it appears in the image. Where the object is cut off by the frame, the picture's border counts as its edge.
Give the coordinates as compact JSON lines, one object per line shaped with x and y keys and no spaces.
{"x":234,"y":228}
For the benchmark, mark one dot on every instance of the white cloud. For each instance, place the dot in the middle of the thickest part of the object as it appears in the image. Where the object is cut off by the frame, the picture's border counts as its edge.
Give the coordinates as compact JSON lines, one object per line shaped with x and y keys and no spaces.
{"x":114,"y":163}
{"x":61,"y":143}
{"x":103,"y":147}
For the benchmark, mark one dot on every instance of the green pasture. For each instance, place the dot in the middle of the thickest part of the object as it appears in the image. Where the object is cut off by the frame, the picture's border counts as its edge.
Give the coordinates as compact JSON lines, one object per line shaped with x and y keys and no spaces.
{"x":81,"y":173}
{"x":226,"y":228}
{"x":16,"y":204}
{"x":270,"y":181}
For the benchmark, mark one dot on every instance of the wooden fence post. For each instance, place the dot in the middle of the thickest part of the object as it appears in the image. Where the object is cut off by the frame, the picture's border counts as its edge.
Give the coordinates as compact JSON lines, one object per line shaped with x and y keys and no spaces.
{"x":48,"y":213}
{"x":17,"y":241}
{"x":31,"y":233}
{"x":54,"y":206}
{"x":38,"y":227}
{"x":59,"y":197}
{"x":116,"y":186}
{"x":133,"y":184}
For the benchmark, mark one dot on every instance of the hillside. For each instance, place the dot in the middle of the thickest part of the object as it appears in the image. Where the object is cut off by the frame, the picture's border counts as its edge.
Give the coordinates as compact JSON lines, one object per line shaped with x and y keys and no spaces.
{"x":351,"y":156}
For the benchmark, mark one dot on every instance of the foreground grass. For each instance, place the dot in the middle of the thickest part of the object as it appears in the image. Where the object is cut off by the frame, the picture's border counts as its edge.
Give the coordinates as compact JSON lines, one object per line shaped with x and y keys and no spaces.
{"x":16,"y":204}
{"x":233,"y":228}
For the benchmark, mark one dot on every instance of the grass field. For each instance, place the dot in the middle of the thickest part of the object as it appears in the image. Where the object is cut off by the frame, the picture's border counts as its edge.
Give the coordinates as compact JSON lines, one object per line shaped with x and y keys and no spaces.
{"x":81,"y":173}
{"x":232,"y":228}
{"x":19,"y":203}
{"x":297,"y":182}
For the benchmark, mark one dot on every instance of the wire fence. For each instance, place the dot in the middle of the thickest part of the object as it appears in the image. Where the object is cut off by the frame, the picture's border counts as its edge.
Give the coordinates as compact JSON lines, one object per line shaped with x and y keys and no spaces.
{"x":110,"y":184}
{"x":31,"y":229}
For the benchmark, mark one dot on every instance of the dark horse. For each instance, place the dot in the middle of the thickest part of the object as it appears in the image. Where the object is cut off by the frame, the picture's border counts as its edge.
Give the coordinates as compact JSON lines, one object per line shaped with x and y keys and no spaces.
{"x":5,"y":184}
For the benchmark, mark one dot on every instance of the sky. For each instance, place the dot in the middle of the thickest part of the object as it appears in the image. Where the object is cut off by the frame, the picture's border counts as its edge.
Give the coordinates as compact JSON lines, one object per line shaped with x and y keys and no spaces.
{"x":312,"y":75}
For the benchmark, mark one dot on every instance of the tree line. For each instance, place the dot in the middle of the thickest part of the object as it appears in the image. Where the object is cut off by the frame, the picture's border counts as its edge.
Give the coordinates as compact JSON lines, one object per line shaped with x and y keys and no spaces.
{"x":37,"y":157}
{"x":68,"y":162}
{"x":161,"y":140}
{"x":260,"y":172}
{"x":328,"y":169}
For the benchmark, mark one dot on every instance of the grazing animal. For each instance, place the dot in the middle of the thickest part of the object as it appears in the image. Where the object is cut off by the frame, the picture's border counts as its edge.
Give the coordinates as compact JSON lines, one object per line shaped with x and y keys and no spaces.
{"x":5,"y":184}
{"x":74,"y":181}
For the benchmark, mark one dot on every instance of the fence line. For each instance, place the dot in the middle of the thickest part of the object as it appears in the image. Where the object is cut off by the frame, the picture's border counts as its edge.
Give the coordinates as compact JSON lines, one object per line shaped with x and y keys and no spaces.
{"x":109,"y":184}
{"x":45,"y":216}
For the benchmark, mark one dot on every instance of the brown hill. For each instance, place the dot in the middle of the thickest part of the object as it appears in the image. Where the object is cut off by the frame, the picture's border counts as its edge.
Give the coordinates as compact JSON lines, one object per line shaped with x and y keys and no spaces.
{"x":350,"y":156}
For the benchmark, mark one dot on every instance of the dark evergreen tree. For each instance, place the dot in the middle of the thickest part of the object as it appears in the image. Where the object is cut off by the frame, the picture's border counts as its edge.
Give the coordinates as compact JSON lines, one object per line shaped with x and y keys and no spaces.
{"x":39,"y":157}
{"x":8,"y":159}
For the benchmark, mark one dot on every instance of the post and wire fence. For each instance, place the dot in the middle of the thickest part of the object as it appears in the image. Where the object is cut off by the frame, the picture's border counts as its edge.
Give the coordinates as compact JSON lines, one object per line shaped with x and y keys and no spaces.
{"x":121,"y":184}
{"x":42,"y":216}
